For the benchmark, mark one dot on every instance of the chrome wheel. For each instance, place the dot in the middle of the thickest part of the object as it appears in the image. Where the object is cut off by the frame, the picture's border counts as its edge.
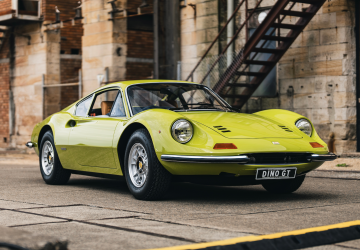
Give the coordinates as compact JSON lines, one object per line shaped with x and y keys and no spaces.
{"x":138,"y":165}
{"x":47,"y":155}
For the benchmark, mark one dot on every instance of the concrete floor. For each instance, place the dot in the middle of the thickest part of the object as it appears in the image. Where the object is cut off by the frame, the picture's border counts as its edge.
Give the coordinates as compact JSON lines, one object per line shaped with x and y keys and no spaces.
{"x":96,"y":213}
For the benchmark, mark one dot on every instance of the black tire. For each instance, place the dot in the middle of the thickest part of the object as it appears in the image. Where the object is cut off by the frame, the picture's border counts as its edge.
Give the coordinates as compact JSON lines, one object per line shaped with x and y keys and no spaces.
{"x":58,"y":175}
{"x":284,"y":186}
{"x":158,"y":179}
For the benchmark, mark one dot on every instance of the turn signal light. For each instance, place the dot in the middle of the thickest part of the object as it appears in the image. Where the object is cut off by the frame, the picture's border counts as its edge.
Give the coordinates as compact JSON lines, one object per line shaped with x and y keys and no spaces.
{"x":316,"y":145}
{"x":225,"y":146}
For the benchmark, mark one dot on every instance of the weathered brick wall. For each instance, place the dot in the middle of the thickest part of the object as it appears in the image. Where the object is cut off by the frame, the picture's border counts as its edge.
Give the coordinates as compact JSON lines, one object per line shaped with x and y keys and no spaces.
{"x":134,"y":4}
{"x":69,"y":71}
{"x":5,"y":7}
{"x":320,"y":68}
{"x":4,"y":96}
{"x":104,"y":44}
{"x":140,"y":45}
{"x":197,"y":33}
{"x":70,"y":35}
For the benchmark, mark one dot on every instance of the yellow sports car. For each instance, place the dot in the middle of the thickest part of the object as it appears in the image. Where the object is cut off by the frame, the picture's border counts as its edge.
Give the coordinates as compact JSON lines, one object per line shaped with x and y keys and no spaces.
{"x":155,"y":132}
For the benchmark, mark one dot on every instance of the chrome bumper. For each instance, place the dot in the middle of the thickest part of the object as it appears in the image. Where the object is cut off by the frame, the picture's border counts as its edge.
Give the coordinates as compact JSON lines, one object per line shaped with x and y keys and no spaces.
{"x":30,"y":144}
{"x":206,"y":159}
{"x":239,"y":159}
{"x":327,"y":157}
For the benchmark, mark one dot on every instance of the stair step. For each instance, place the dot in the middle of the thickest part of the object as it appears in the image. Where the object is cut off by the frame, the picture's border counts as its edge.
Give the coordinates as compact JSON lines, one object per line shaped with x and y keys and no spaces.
{"x":277,"y":38}
{"x":269,"y":51}
{"x":307,"y":1}
{"x":241,"y":73}
{"x":267,"y":63}
{"x":287,"y":26}
{"x":296,"y":13}
{"x":239,"y":85}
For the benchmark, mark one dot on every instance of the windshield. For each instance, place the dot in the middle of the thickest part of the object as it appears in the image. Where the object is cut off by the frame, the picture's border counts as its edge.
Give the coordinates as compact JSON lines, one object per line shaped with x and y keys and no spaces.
{"x":174,"y":96}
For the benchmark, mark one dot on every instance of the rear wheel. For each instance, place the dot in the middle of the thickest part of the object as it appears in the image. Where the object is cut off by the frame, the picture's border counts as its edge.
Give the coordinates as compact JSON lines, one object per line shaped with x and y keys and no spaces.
{"x":284,"y":186}
{"x":146,"y":178}
{"x":50,"y":167}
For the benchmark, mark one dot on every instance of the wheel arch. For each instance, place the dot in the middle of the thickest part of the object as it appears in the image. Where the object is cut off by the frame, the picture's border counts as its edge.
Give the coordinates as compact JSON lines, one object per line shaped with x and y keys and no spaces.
{"x":43,"y":130}
{"x":124,"y":138}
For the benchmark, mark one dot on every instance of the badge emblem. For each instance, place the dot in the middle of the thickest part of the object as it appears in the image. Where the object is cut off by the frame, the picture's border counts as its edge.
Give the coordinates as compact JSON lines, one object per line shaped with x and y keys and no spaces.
{"x":276,"y":143}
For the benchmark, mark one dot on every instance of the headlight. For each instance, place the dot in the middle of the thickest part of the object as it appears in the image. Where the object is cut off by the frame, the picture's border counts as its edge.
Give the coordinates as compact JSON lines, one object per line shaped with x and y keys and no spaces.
{"x":182,"y":131}
{"x":305,"y":126}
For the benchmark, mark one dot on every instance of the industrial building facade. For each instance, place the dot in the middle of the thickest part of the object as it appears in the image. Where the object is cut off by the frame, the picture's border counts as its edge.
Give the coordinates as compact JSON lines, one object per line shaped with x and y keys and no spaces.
{"x":52,"y":52}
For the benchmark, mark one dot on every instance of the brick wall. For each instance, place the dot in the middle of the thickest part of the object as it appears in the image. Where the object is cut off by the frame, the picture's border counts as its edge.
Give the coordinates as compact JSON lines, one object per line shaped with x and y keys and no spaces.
{"x":70,"y":35}
{"x":134,"y":4}
{"x":5,"y":7}
{"x":140,"y":45}
{"x":69,"y":71}
{"x":320,"y":68}
{"x":197,"y":33}
{"x":4,"y":96}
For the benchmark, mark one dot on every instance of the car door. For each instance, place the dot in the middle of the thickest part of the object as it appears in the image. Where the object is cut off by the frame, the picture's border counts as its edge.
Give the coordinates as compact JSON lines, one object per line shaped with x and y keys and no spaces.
{"x":91,"y":136}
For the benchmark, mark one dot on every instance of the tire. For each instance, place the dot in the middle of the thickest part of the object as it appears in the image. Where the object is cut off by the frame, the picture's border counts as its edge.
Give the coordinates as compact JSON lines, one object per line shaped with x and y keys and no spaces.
{"x":284,"y":186}
{"x":50,"y":167}
{"x":146,"y":178}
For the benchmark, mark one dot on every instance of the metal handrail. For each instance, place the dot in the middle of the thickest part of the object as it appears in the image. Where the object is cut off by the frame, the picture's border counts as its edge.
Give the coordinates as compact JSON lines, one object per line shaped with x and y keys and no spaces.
{"x":216,"y":38}
{"x":231,"y":41}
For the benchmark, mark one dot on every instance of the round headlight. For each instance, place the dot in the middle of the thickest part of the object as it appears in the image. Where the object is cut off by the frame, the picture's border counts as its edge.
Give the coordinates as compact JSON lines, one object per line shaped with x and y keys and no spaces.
{"x":182,"y":131}
{"x":305,"y":126}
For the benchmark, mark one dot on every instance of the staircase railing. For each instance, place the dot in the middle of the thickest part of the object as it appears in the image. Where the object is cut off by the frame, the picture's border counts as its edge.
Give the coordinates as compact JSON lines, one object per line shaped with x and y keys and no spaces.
{"x":243,"y":24}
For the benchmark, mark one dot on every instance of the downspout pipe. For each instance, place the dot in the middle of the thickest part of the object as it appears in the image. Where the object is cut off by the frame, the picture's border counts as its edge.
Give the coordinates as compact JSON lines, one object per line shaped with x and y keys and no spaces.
{"x":357,"y":37}
{"x":230,"y":32}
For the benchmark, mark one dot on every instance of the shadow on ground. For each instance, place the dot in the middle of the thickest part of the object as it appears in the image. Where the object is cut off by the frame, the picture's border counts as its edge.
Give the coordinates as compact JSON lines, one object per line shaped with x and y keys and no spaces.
{"x":186,"y":192}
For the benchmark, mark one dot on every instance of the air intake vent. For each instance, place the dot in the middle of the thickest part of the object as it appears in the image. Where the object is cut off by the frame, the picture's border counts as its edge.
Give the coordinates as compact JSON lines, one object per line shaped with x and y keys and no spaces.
{"x":222,"y":129}
{"x":285,"y":128}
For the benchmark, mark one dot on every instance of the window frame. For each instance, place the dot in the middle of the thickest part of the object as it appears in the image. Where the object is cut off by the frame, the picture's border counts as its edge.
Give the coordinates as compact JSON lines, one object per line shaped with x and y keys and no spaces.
{"x":93,"y":95}
{"x":184,"y":83}
{"x":119,"y":93}
{"x":80,"y":102}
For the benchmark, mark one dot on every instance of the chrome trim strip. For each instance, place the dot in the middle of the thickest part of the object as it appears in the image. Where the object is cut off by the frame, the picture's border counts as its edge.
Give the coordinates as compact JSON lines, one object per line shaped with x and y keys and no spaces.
{"x":206,"y":159}
{"x":127,"y":100}
{"x":327,"y":157}
{"x":30,"y":144}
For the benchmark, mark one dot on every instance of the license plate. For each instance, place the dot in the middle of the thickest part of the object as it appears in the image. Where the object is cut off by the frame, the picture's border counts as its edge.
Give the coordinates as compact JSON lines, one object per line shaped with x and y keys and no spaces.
{"x":275,"y":173}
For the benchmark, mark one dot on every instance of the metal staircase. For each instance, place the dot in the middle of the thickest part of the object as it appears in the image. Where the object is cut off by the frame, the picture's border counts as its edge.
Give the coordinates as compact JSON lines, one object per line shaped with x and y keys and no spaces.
{"x":282,"y":25}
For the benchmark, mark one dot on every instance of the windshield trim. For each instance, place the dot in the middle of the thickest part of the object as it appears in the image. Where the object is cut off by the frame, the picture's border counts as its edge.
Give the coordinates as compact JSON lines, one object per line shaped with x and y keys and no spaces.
{"x":223,"y":102}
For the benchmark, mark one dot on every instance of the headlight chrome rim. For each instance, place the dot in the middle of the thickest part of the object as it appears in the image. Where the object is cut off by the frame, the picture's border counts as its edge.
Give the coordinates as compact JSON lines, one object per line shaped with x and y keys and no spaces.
{"x":175,"y":136}
{"x":301,"y":123}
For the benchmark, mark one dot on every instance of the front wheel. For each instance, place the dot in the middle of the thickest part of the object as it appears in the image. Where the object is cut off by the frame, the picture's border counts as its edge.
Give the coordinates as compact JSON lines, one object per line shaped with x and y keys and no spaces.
{"x":146,"y":178}
{"x":284,"y":186}
{"x":50,"y":167}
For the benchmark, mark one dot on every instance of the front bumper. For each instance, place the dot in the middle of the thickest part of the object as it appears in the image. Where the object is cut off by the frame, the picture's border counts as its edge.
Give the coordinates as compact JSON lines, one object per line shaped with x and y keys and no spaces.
{"x":239,"y":159}
{"x":242,"y":159}
{"x":327,"y":157}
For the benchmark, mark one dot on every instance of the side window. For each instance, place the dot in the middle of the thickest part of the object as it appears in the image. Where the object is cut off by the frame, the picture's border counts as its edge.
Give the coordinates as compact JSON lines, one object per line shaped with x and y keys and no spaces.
{"x":118,"y":108}
{"x":103,"y":103}
{"x":83,"y":107}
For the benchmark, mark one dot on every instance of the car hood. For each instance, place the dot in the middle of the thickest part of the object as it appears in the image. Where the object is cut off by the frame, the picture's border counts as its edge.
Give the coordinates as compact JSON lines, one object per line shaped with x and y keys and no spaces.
{"x":242,"y":126}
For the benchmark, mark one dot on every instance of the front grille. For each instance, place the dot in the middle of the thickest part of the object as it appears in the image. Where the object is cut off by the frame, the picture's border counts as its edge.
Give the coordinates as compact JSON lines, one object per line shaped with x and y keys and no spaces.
{"x":277,"y":158}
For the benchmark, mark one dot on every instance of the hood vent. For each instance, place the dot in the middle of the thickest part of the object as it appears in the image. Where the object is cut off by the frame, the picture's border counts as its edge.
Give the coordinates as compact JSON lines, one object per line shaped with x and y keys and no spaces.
{"x":285,"y":128}
{"x":222,"y":129}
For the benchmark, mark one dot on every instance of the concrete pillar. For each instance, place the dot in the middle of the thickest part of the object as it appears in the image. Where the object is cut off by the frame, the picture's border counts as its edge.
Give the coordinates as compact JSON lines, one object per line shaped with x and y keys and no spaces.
{"x":103,"y":44}
{"x":36,"y":53}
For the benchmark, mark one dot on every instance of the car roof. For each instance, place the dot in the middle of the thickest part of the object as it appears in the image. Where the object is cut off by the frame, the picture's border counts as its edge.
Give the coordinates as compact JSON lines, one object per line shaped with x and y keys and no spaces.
{"x":124,"y":84}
